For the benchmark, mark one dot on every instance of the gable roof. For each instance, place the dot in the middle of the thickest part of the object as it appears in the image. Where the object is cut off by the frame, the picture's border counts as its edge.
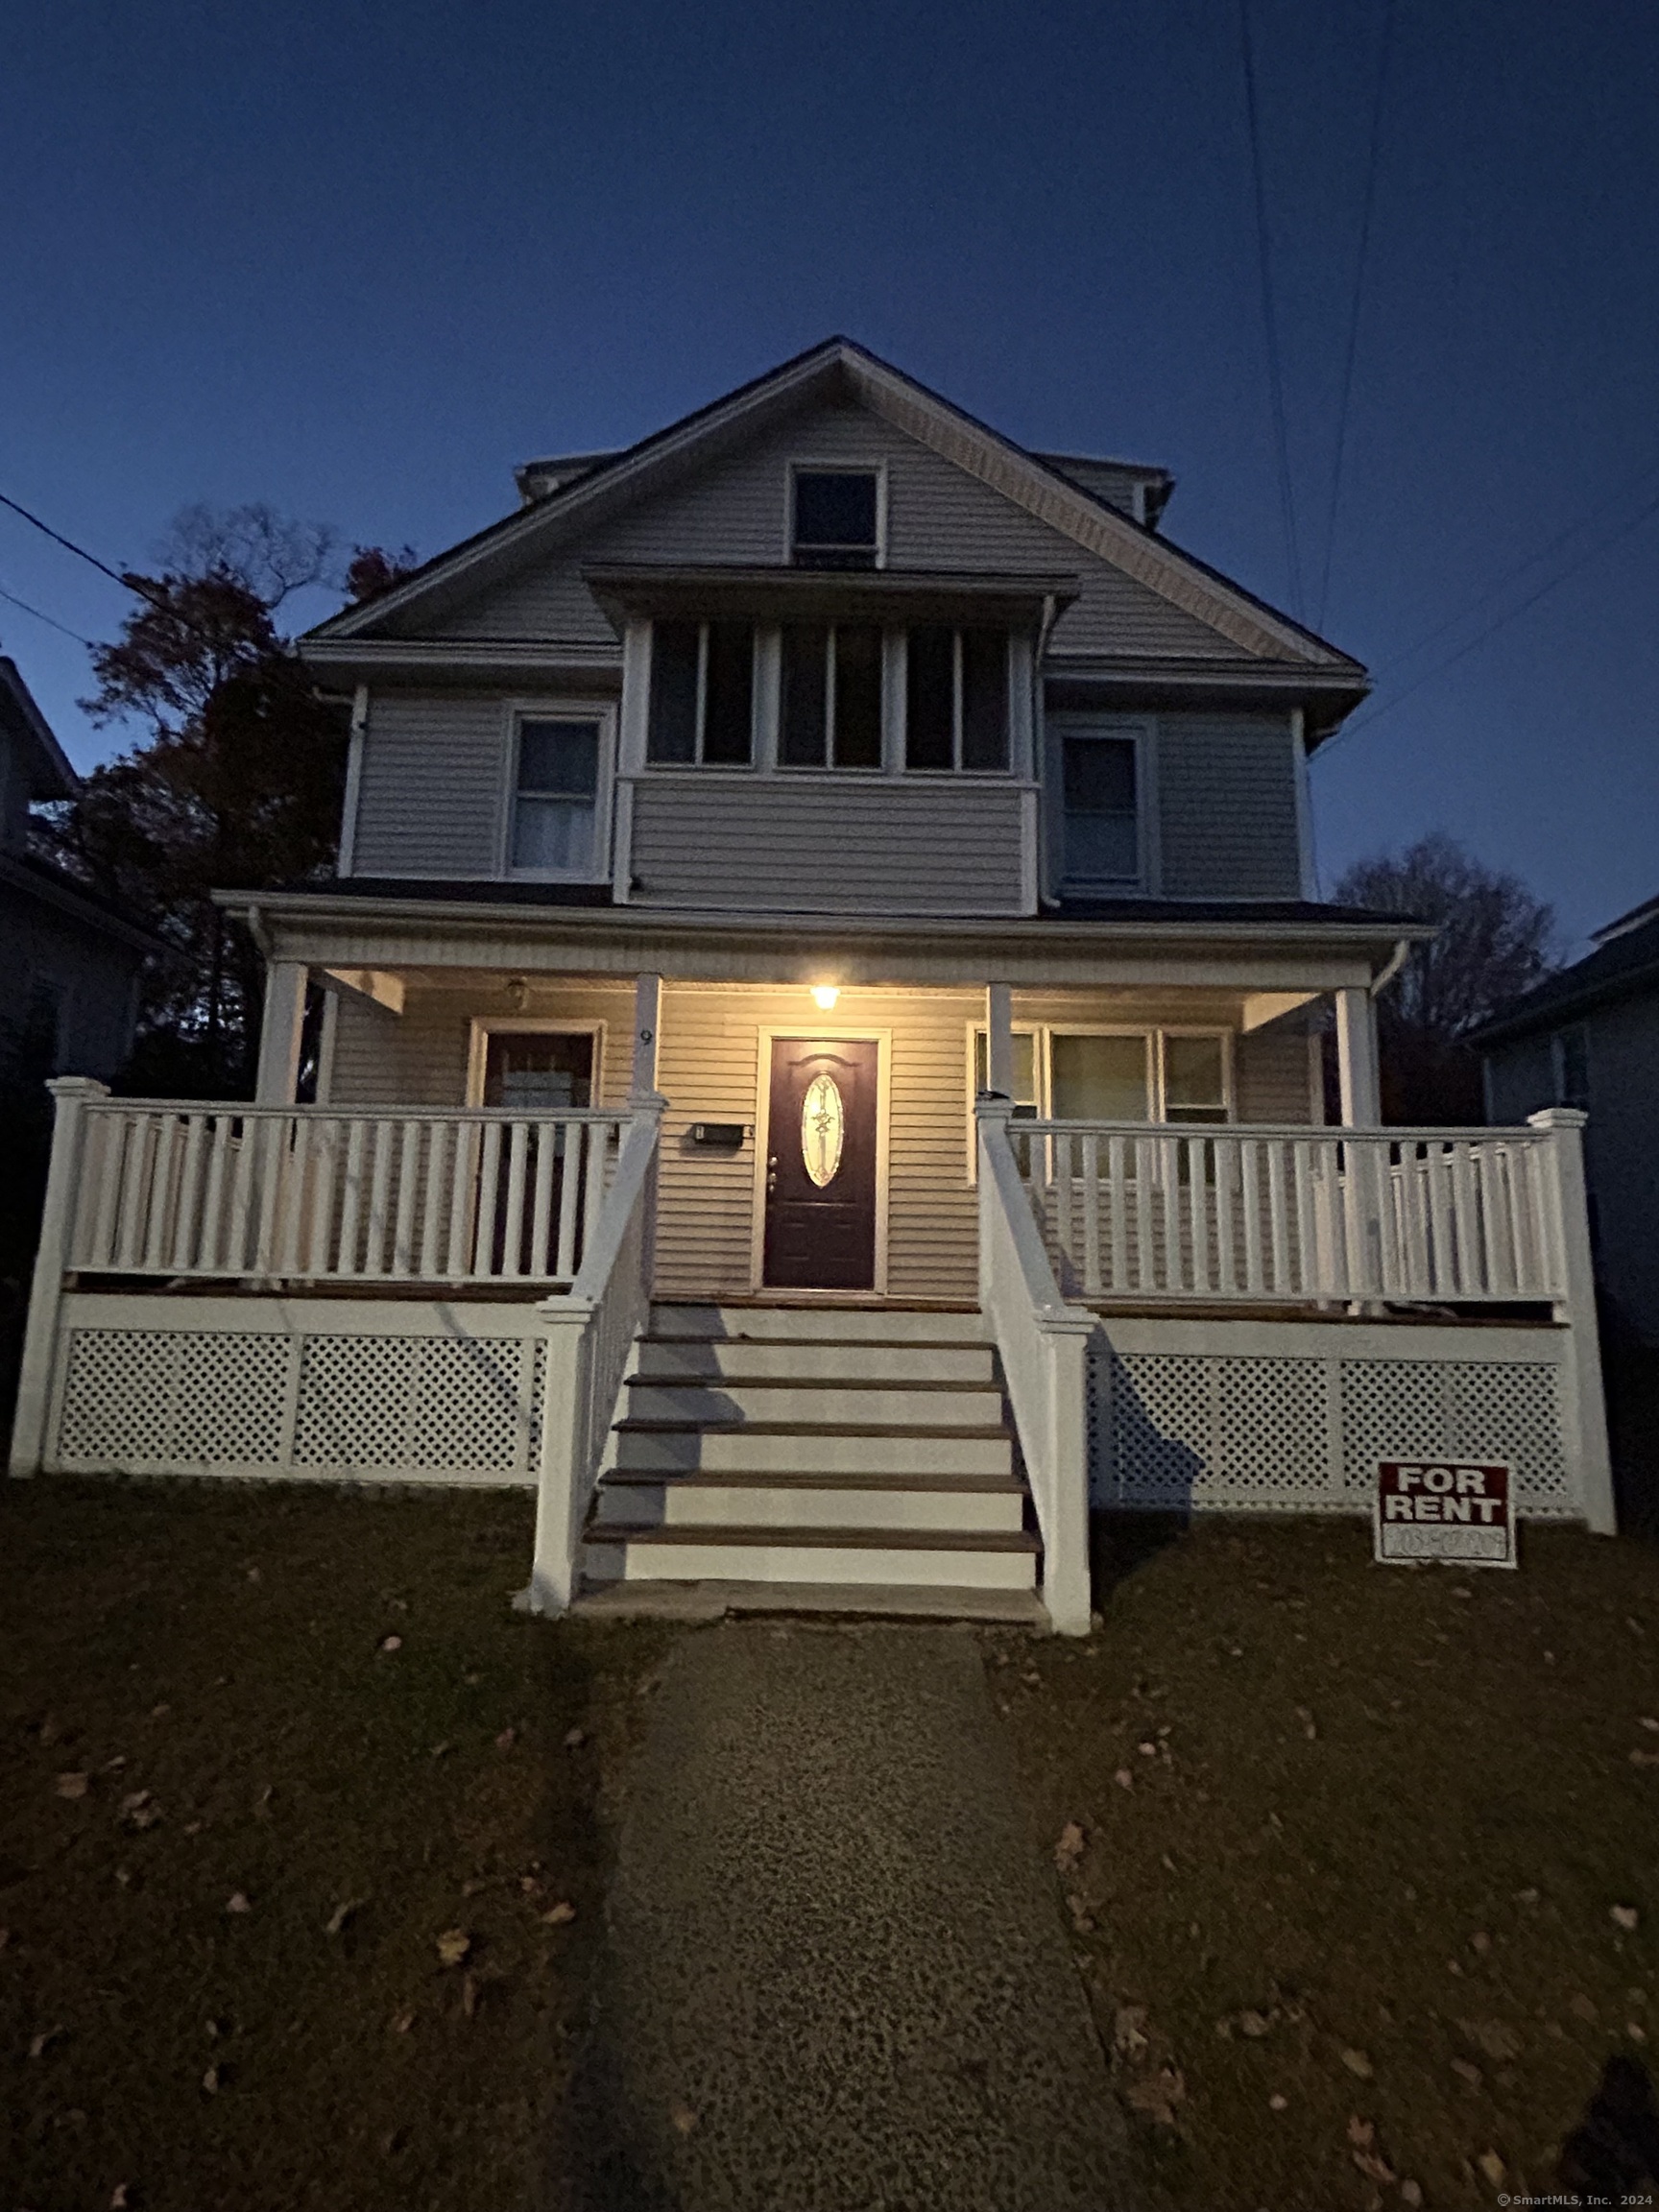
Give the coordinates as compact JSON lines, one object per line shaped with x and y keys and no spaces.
{"x":1625,"y":964}
{"x":840,"y":369}
{"x":50,"y":774}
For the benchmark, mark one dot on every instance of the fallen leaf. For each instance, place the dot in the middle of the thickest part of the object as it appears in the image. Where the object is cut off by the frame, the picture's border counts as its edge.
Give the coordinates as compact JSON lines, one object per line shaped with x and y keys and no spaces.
{"x":1525,"y":1896}
{"x":1357,"y":2062}
{"x":1582,"y":2007}
{"x":1255,"y":2025}
{"x":1082,"y":1919}
{"x":254,"y":1576}
{"x":159,"y":1712}
{"x":1649,"y":1723}
{"x":1466,"y":2071}
{"x":1495,"y":2037}
{"x":403,"y":2022}
{"x":262,"y":1804}
{"x":119,"y":2200}
{"x":1493,"y":2167}
{"x":684,"y":2118}
{"x":453,"y":1946}
{"x":1123,"y":1778}
{"x":1362,"y":2133}
{"x":73,"y":1785}
{"x":1276,"y":2102}
{"x":40,"y":2044}
{"x":1480,"y":1941}
{"x":237,"y":1902}
{"x":115,"y":1765}
{"x":560,"y":1916}
{"x":1148,"y":1750}
{"x":1127,"y":2023}
{"x":1640,"y":1758}
{"x":391,"y":1643}
{"x":1070,"y":1848}
{"x":1627,"y":1915}
{"x":506,"y":1739}
{"x":1411,"y":2192}
{"x":341,"y":1914}
{"x":1157,"y":2095}
{"x":1636,"y":2031}
{"x":210,"y":2081}
{"x":574,"y":1737}
{"x":1373,"y":2166}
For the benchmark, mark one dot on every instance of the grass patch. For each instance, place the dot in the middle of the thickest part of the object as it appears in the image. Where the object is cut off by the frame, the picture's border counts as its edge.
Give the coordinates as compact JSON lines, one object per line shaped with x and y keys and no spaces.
{"x":199,"y":1710}
{"x":1353,"y":1843}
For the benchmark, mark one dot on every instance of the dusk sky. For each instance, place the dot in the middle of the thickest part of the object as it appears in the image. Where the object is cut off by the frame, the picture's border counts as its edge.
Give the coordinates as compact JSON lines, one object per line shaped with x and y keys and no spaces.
{"x":358,"y":260}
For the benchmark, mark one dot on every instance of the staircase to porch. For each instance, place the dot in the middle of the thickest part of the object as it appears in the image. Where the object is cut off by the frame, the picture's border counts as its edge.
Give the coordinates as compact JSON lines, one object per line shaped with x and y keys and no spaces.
{"x":839,"y":1459}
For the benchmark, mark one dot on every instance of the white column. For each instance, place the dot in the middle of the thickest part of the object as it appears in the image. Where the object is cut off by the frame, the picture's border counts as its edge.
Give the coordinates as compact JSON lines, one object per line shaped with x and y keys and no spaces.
{"x":1583,"y":1407}
{"x":1356,"y":1058}
{"x":647,"y":1017}
{"x":72,"y":1092}
{"x":1000,"y":1038}
{"x":285,"y":983}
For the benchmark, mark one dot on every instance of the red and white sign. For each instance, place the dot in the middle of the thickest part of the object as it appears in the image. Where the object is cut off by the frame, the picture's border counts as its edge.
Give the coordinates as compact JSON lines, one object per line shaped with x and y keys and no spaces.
{"x":1450,"y":1509}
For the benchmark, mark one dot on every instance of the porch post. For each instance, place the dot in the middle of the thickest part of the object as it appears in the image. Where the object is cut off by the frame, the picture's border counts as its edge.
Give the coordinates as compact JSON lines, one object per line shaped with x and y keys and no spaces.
{"x":1000,"y":1038}
{"x":1356,"y":1058}
{"x":1584,"y":1406}
{"x":647,"y":1019}
{"x":71,"y":1094}
{"x":279,"y":1075}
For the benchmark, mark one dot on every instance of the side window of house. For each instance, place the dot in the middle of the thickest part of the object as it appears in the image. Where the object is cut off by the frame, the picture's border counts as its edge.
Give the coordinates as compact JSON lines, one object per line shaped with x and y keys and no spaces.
{"x":702,"y":694}
{"x":835,"y":518}
{"x":956,"y":699}
{"x":1570,"y":1055}
{"x":1138,"y":1075}
{"x":556,"y":800}
{"x":830,"y":708}
{"x":1100,"y":793}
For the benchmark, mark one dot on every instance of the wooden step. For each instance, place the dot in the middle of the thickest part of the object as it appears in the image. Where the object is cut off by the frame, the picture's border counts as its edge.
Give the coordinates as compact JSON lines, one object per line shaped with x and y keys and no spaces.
{"x":988,"y":1559}
{"x":708,"y":1599}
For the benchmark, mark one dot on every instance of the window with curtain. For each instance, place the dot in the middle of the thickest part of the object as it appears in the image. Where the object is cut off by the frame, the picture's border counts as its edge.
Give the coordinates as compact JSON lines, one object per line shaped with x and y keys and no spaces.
{"x":556,"y":799}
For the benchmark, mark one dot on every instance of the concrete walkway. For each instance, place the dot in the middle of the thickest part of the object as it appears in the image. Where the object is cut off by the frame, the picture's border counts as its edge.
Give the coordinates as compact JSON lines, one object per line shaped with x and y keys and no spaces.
{"x":836,"y":1978}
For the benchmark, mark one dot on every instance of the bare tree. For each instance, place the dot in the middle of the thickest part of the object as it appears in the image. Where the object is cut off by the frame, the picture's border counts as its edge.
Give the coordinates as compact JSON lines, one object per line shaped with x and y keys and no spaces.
{"x":269,"y":555}
{"x":1496,"y":940}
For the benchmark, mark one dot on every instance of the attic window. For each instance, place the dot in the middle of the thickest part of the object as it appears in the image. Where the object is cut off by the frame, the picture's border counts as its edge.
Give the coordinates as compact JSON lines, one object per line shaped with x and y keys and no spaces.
{"x":835,"y":518}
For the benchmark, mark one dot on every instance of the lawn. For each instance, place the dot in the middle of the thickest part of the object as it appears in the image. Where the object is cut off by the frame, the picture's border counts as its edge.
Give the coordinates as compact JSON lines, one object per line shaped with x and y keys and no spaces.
{"x":1366,"y":1888}
{"x":263,"y":1752}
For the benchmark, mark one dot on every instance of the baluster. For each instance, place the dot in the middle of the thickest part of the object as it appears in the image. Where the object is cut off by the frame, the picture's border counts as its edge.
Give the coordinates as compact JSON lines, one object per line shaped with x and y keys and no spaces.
{"x":408,"y":1180}
{"x":1250,"y":1206}
{"x":513,"y":1237}
{"x":600,"y":1135}
{"x":1531,"y":1274}
{"x":1063,"y":1198}
{"x":542,"y":1214}
{"x":569,"y":1139}
{"x":289,"y":1257}
{"x":1145,"y":1234}
{"x":1223,"y":1151}
{"x":320,"y":1259}
{"x":431,"y":1226}
{"x":238,"y":1218}
{"x":1174,"y":1273}
{"x":1091,"y":1151}
{"x":1197,"y":1153}
{"x":461,"y":1200}
{"x":1489,"y":1176}
{"x":1442,"y":1236}
{"x":186,"y":1229}
{"x":352,"y":1200}
{"x":156,"y":1222}
{"x":1465,"y":1209}
{"x":489,"y":1188}
{"x":135,"y":1193}
{"x":104,"y":1138}
{"x":1116,"y":1195}
{"x":272,"y":1136}
{"x":210,"y":1258}
{"x":1279,"y":1215}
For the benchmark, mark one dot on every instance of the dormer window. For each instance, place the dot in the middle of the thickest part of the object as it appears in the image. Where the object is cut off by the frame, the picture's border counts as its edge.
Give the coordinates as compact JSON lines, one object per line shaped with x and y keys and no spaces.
{"x":835,"y":518}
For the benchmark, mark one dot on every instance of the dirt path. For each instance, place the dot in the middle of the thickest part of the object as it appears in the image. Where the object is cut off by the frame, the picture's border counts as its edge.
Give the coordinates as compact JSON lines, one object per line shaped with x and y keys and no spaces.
{"x":837,"y":1979}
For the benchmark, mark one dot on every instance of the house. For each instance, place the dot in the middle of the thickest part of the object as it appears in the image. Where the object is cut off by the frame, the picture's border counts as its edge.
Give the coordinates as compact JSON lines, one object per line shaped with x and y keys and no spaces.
{"x":71,"y":960}
{"x":1588,"y":1039}
{"x":819,"y":1076}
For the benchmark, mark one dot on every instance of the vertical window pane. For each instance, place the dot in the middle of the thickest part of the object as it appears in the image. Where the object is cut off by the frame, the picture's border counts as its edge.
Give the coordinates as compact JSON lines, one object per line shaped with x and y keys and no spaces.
{"x":984,"y":698}
{"x":929,"y":698}
{"x":559,"y":758}
{"x":857,"y":697}
{"x":801,"y":740}
{"x":834,"y":518}
{"x":1102,"y":823}
{"x":729,"y":696}
{"x":1024,"y":1068}
{"x":673,"y":726}
{"x":1194,"y":1079}
{"x":553,"y":837}
{"x":1099,"y":1078}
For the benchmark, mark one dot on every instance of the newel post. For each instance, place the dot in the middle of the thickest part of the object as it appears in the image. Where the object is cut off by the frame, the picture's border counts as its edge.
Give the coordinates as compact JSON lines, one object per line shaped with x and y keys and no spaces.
{"x":1066,"y":1588}
{"x":1584,"y":1408}
{"x":72,"y":1094}
{"x":559,"y":1495}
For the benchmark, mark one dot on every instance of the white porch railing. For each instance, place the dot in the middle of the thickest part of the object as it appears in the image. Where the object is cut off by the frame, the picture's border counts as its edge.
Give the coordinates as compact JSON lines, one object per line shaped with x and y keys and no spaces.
{"x":307,"y":1194}
{"x":1301,"y":1215}
{"x":590,"y":1339}
{"x":1042,"y":1348}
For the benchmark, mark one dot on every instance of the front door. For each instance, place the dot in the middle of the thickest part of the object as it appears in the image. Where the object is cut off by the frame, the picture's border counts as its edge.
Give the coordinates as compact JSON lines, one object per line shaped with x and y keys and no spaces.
{"x":821,"y":1165}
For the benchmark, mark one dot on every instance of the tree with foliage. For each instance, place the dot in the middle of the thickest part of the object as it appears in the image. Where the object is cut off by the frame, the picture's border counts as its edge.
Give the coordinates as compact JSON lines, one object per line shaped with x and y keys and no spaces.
{"x":236,"y":784}
{"x":1496,"y":939}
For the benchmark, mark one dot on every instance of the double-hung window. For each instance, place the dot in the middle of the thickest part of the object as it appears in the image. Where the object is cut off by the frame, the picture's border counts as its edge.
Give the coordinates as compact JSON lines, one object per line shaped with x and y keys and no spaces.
{"x":555,"y":796}
{"x":701,"y":707}
{"x":956,"y":699}
{"x":830,"y":696}
{"x":1085,"y":1074}
{"x":1100,"y":792}
{"x":835,"y":518}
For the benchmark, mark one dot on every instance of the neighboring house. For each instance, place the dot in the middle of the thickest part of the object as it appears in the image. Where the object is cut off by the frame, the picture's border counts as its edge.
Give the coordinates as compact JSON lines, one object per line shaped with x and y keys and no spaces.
{"x":70,"y":960}
{"x":824,"y":975}
{"x":1589,"y":1037}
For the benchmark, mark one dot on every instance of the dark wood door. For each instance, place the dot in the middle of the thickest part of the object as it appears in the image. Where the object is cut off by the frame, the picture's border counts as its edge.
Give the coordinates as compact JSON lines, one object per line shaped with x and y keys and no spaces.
{"x":821,"y":1165}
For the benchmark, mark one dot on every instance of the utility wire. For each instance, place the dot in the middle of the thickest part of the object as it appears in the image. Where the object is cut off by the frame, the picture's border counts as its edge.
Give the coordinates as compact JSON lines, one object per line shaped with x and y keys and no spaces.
{"x":1367,"y":207}
{"x":1593,"y":553}
{"x":1269,"y":320}
{"x":69,"y":545}
{"x":51,"y":620}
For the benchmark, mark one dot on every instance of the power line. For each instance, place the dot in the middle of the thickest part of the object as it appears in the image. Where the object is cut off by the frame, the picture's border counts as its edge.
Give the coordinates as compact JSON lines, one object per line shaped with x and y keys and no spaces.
{"x":51,"y":620}
{"x":1269,"y":320}
{"x":1561,"y":575}
{"x":1367,"y":207}
{"x":69,"y":545}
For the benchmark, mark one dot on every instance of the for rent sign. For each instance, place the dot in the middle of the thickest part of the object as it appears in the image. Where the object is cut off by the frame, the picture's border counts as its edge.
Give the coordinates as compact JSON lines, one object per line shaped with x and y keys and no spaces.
{"x":1449,"y":1510}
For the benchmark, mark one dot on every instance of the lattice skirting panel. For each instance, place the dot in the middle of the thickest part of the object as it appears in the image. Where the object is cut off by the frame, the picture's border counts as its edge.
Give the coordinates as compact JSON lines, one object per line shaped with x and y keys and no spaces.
{"x":1301,"y":1429}
{"x":381,"y":1393}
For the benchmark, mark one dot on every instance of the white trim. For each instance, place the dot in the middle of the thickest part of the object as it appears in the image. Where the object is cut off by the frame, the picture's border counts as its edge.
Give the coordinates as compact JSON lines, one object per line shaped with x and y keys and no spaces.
{"x":518,"y":711}
{"x":803,"y":465}
{"x":1141,"y":730}
{"x":815,"y":1033}
{"x":483,"y":1027}
{"x":354,"y":794}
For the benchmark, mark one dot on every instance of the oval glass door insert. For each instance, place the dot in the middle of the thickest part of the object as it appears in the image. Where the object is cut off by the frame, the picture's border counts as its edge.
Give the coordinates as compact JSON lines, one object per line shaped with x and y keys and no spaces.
{"x":822,"y":1129}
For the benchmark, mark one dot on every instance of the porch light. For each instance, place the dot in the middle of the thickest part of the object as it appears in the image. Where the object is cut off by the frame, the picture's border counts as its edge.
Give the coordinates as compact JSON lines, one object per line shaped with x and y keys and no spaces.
{"x":518,"y":993}
{"x":825,"y":995}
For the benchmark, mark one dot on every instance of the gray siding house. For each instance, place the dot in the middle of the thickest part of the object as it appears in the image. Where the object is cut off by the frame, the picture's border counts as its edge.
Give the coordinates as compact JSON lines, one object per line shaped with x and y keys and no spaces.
{"x":71,"y":962}
{"x":819,"y":1073}
{"x":1589,"y":1039}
